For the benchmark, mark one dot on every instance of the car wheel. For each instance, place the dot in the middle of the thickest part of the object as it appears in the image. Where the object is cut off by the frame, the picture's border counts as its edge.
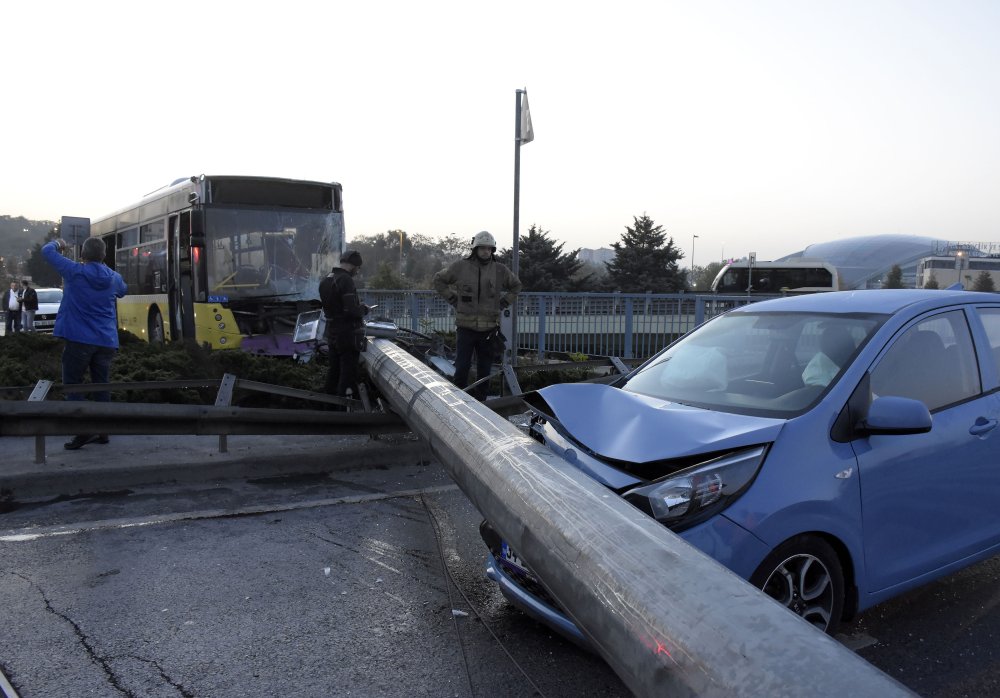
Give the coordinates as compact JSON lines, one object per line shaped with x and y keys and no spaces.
{"x":156,"y":328}
{"x":804,"y":575}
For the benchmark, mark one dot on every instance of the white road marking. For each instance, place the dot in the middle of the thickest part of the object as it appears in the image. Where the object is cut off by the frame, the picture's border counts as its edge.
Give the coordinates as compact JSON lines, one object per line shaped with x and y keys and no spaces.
{"x":35,"y":533}
{"x":5,"y":687}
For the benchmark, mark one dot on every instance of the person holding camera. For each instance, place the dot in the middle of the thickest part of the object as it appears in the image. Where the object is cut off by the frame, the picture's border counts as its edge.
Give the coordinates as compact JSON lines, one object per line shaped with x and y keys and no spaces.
{"x":479,"y":287}
{"x":87,"y":320}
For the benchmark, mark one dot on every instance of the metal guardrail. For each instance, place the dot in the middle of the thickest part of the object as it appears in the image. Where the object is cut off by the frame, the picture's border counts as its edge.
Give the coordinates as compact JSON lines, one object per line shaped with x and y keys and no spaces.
{"x":629,"y":325}
{"x":39,"y":418}
{"x":667,"y":618}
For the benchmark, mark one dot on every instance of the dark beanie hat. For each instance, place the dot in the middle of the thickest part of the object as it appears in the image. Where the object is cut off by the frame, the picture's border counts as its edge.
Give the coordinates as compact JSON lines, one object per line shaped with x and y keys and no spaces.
{"x":351,"y":257}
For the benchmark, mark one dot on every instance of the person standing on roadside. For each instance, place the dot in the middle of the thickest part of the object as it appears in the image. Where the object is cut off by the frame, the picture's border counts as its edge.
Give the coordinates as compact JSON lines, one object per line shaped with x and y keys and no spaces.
{"x":12,"y":306}
{"x":344,"y":325}
{"x":87,"y":320}
{"x":29,"y":306}
{"x":479,"y":287}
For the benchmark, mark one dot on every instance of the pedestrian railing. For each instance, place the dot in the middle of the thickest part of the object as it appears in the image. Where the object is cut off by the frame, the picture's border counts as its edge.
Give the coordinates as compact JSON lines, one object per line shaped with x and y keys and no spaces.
{"x":628,"y":325}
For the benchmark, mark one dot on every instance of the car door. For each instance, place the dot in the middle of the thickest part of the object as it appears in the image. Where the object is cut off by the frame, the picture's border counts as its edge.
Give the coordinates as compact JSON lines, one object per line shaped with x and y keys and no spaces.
{"x":930,"y":500}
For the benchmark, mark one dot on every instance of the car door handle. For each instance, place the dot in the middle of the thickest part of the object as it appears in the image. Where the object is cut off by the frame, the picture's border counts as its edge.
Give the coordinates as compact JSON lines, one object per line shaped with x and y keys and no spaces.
{"x":982,"y":426}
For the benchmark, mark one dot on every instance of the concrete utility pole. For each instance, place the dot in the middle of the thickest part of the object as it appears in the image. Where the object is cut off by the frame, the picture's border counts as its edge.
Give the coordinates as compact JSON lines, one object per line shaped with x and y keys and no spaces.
{"x":667,"y":618}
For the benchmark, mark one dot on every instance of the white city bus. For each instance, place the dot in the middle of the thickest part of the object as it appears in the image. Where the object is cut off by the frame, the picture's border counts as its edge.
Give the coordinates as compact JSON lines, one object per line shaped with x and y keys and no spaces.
{"x":227,"y":261}
{"x":776,"y":277}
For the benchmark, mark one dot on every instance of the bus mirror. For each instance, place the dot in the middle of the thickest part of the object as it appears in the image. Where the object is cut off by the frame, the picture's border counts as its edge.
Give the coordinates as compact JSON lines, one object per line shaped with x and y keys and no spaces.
{"x":193,"y":198}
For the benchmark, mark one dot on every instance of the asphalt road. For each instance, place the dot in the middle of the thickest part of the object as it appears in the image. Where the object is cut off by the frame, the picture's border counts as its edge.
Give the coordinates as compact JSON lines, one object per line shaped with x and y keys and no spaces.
{"x":367,"y":583}
{"x":362,"y":583}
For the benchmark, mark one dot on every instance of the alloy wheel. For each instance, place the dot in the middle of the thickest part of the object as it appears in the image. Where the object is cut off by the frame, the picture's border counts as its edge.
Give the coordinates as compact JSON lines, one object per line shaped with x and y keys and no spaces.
{"x":803,"y":584}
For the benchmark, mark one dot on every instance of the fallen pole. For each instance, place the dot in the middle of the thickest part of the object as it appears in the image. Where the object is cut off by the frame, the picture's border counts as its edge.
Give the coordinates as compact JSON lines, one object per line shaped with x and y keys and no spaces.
{"x":668,"y":619}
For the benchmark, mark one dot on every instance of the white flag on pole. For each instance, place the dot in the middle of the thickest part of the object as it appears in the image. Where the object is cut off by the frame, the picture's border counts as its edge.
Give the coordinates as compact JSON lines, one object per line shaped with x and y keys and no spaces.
{"x":527,"y":133}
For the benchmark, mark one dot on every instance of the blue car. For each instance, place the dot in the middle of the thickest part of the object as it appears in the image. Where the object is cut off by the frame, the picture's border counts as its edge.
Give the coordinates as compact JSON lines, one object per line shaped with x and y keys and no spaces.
{"x":835,"y":449}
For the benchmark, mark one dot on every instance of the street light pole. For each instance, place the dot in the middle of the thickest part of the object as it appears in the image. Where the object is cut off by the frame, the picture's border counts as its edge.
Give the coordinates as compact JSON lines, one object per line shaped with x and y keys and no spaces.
{"x":401,"y":234}
{"x":693,"y":282}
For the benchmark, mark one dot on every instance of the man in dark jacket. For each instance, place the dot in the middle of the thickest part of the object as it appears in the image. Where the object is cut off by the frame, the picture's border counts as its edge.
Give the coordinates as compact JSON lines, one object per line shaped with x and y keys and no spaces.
{"x":87,"y":320}
{"x":479,"y":287}
{"x":344,"y":325}
{"x":29,"y":306}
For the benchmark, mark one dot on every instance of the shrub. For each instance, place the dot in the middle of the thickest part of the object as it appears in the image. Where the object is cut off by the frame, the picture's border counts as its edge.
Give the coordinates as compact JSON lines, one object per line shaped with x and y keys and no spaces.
{"x":29,"y":357}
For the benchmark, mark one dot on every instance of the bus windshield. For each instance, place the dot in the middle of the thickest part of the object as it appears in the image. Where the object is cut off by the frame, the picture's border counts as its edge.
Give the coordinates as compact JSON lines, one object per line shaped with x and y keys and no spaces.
{"x":255,"y":253}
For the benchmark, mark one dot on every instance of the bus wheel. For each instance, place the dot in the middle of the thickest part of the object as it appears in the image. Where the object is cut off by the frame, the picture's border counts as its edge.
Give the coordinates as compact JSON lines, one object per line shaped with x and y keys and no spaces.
{"x":156,"y":328}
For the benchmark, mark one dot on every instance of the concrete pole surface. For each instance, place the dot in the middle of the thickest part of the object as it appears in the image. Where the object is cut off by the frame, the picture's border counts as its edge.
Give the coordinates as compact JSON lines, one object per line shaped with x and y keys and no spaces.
{"x":668,"y":619}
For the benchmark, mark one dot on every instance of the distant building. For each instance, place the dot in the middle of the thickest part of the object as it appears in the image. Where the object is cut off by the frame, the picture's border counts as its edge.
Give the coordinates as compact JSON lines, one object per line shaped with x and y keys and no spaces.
{"x":961,"y":264}
{"x":865,"y":261}
{"x":598,"y":256}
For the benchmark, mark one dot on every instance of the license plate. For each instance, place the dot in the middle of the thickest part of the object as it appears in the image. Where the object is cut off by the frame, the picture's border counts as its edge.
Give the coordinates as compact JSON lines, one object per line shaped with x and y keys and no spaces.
{"x":508,"y":555}
{"x":44,"y":323}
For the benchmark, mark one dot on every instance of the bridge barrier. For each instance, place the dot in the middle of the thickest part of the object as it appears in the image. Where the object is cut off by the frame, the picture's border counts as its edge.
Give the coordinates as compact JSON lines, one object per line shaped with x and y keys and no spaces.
{"x":668,"y":619}
{"x":629,"y":325}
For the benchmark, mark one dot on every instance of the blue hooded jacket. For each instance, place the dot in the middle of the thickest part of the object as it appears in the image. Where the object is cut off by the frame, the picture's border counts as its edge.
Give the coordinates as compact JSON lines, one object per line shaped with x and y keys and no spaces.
{"x":88,"y":310}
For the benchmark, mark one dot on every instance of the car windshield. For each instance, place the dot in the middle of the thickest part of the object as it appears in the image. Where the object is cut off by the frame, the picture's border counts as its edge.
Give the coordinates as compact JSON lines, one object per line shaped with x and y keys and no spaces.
{"x":763,"y":363}
{"x":50,"y":296}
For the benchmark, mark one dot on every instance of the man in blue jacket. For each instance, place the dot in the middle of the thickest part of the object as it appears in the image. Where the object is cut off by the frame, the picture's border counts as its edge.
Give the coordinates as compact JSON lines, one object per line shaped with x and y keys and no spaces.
{"x":86,"y":320}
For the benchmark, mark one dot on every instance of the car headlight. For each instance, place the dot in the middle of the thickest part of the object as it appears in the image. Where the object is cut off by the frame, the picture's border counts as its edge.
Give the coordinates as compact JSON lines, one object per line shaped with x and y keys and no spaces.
{"x":685,"y":498}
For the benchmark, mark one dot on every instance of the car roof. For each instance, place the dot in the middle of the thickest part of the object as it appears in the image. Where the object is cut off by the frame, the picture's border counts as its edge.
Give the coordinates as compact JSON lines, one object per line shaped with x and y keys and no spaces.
{"x":882,"y":301}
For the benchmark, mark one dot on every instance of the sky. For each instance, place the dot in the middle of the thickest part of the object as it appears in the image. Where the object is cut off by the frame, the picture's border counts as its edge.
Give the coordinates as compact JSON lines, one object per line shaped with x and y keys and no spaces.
{"x":739,"y":126}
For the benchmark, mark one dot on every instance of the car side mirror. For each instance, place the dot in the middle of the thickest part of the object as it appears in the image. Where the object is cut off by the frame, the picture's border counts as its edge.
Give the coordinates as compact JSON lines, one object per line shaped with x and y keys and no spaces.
{"x":895,"y":416}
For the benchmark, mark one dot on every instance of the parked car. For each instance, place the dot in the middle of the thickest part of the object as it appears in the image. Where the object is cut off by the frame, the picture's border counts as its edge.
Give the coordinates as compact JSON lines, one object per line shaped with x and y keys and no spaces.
{"x":835,"y":449}
{"x":49,"y":300}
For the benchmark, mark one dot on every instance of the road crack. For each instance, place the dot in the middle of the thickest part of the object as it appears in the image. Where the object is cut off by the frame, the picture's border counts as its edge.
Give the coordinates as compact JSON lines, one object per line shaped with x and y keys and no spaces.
{"x":84,"y":641}
{"x":163,"y":675}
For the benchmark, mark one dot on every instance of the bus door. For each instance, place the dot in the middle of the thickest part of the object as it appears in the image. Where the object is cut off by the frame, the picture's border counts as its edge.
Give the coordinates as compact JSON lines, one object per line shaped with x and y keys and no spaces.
{"x":179,"y":288}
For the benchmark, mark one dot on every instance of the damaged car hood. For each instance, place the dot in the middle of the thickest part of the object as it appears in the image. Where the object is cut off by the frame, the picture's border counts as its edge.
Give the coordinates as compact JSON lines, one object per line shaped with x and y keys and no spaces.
{"x":619,"y":425}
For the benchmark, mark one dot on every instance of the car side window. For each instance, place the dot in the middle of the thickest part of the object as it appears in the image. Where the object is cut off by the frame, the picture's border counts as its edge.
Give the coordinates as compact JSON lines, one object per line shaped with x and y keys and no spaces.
{"x":933,"y":361}
{"x":991,"y":322}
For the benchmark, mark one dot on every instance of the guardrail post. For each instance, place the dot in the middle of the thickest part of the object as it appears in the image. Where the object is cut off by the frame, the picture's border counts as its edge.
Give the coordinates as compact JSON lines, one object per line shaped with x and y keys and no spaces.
{"x":224,"y":398}
{"x":40,"y":392}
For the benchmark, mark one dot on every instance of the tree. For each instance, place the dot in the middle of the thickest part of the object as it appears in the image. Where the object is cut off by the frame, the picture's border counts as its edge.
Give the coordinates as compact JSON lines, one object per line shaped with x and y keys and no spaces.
{"x":645,"y":260}
{"x":702,"y":277}
{"x":932,"y":282}
{"x":543,"y":265}
{"x":383,"y":248}
{"x":895,"y":278}
{"x":41,"y":272}
{"x":421,"y":257}
{"x":984,"y":282}
{"x":386,"y":277}
{"x":591,"y":278}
